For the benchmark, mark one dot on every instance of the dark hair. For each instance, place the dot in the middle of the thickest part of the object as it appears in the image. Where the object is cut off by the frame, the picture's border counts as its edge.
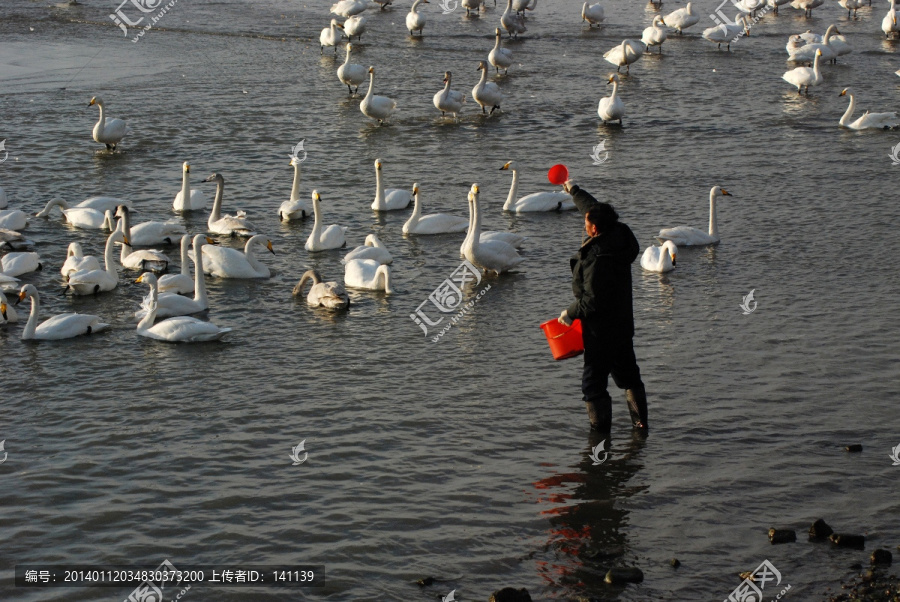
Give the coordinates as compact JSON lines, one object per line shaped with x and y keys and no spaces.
{"x":603,"y":216}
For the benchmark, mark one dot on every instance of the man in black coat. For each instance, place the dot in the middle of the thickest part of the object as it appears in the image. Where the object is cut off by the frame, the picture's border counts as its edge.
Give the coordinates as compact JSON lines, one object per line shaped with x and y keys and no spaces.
{"x":601,"y":281}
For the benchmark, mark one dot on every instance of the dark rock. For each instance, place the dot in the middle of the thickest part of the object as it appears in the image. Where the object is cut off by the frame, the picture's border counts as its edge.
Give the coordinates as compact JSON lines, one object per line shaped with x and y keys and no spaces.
{"x":820,"y":530}
{"x":675,"y":563}
{"x":426,"y":581}
{"x":508,"y":594}
{"x":856,"y":566}
{"x":782,"y":536}
{"x":856,"y":447}
{"x":881,"y":557}
{"x":624,"y":575}
{"x":842,"y":540}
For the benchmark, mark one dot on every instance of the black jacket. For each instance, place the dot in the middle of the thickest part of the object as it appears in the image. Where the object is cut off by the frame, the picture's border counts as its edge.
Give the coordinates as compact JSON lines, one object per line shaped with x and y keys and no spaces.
{"x":601,"y":279}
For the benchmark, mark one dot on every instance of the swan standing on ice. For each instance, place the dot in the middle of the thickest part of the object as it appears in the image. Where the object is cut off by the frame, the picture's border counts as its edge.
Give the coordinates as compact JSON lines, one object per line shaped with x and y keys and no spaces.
{"x":355,"y":26}
{"x":16,"y":264}
{"x":726,"y":33}
{"x":324,"y":238}
{"x":415,"y":21}
{"x":150,"y":233}
{"x":142,"y":259}
{"x":182,"y":283}
{"x":63,"y":326}
{"x":330,"y":36}
{"x":537,"y":201}
{"x":681,"y":19}
{"x":500,"y":58}
{"x":229,"y":225}
{"x":513,"y":23}
{"x":449,"y":101}
{"x":486,"y":93}
{"x":592,"y":14}
{"x":97,"y":281}
{"x":660,"y":259}
{"x":611,"y":108}
{"x":376,"y":107}
{"x":348,"y":8}
{"x":624,"y":54}
{"x":351,"y":74}
{"x":373,"y":249}
{"x":107,"y":131}
{"x":656,"y":34}
{"x":188,"y":199}
{"x":434,"y":223}
{"x":322,"y":294}
{"x":685,"y":236}
{"x":172,"y":304}
{"x":76,"y":261}
{"x":390,"y":199}
{"x":867,"y":121}
{"x":294,"y":208}
{"x":804,"y":76}
{"x":182,"y":329}
{"x":495,"y":255}
{"x":368,"y":274}
{"x":226,"y":262}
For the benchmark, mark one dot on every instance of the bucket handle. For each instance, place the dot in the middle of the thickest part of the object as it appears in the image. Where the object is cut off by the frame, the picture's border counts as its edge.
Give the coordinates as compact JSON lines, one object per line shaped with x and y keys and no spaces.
{"x":565,"y":332}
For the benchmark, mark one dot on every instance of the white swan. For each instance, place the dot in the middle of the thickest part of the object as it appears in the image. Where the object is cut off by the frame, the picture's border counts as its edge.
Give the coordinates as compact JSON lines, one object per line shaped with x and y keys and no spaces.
{"x":76,"y":261}
{"x":520,"y":6}
{"x":435,"y":223}
{"x":537,"y":201}
{"x":513,"y":23}
{"x":656,"y":34}
{"x":592,"y":14}
{"x":322,"y":294}
{"x":661,"y":258}
{"x":226,"y":262}
{"x":499,"y":57}
{"x":294,"y":208}
{"x":681,"y":19}
{"x":486,"y":93}
{"x":14,"y":240}
{"x":838,"y":43}
{"x":149,"y":233}
{"x":510,"y":238}
{"x":182,"y":329}
{"x":368,"y":274}
{"x":851,"y":5}
{"x":16,"y":264}
{"x":807,"y":51}
{"x":13,"y":219}
{"x":172,"y":304}
{"x":611,"y":108}
{"x":495,"y":256}
{"x":351,"y":74}
{"x":805,"y":76}
{"x":231,"y":225}
{"x":188,"y":199}
{"x":348,"y":8}
{"x":867,"y":121}
{"x":80,"y":217}
{"x":104,"y":203}
{"x":889,"y":24}
{"x":142,"y":259}
{"x":776,"y":3}
{"x":182,"y":283}
{"x":330,"y":36}
{"x":391,"y":198}
{"x":807,"y":6}
{"x":447,"y":100}
{"x":471,"y":5}
{"x":63,"y":326}
{"x":107,"y":131}
{"x":91,"y":282}
{"x":324,"y":238}
{"x":374,"y":106}
{"x":373,"y":249}
{"x":383,"y":3}
{"x":685,"y":236}
{"x":624,"y":54}
{"x":355,"y":26}
{"x":726,"y":33}
{"x":9,"y":314}
{"x":414,"y":20}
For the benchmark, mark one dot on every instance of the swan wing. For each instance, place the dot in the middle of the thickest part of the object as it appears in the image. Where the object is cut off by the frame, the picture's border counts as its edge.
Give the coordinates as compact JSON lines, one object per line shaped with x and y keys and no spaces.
{"x":84,"y":217}
{"x":226,"y":262}
{"x":685,"y":236}
{"x":867,"y":121}
{"x":66,"y":326}
{"x":176,"y":283}
{"x":440,"y":223}
{"x":542,"y":201}
{"x":397,"y":198}
{"x":510,"y":238}
{"x":104,"y":203}
{"x":360,"y":273}
{"x":184,"y":329}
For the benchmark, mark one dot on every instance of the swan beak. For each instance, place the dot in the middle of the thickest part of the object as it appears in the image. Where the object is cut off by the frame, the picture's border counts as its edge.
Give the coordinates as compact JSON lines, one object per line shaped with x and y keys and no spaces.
{"x":211,"y":241}
{"x":673,"y":258}
{"x":20,"y":298}
{"x":187,"y":169}
{"x":475,"y":188}
{"x":339,"y":25}
{"x":726,"y":193}
{"x":843,"y":92}
{"x":210,"y":179}
{"x":3,"y":310}
{"x":269,"y":246}
{"x":506,"y":166}
{"x":93,"y":101}
{"x":140,"y":279}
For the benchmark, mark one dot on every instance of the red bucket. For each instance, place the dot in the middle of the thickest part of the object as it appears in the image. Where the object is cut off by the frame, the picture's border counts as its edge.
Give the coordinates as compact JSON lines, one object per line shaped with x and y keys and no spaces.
{"x":565,"y":341}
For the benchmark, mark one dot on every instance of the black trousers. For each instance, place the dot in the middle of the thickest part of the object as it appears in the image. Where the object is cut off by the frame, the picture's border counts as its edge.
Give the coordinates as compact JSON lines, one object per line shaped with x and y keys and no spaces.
{"x":606,"y":356}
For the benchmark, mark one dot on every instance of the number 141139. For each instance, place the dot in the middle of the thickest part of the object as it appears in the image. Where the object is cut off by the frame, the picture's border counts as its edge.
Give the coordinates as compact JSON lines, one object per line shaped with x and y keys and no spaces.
{"x":293,"y":576}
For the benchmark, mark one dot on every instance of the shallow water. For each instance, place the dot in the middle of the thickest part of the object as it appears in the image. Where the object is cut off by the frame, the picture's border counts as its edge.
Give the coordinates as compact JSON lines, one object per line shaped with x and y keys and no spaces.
{"x":467,"y":459}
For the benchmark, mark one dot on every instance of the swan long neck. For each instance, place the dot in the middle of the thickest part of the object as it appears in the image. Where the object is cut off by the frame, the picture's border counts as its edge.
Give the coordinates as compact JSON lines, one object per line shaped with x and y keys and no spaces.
{"x":347,"y":57}
{"x":317,"y":223}
{"x":816,"y":66}
{"x":848,"y":114}
{"x":612,"y":97}
{"x":31,"y":325}
{"x":415,"y":6}
{"x":50,"y":205}
{"x":508,"y":7}
{"x":216,"y":212}
{"x":185,"y":258}
{"x":379,"y":189}
{"x":497,"y":40}
{"x":250,"y":253}
{"x":417,"y":209}
{"x":125,"y":223}
{"x":102,"y":121}
{"x":476,"y":224}
{"x":828,"y":33}
{"x":199,"y":279}
{"x":513,"y":191}
{"x":147,"y":320}
{"x":109,"y":259}
{"x":295,"y":188}
{"x":713,"y":225}
{"x":385,"y":274}
{"x":371,"y":86}
{"x":186,"y":187}
{"x":469,"y":231}
{"x":483,"y":79}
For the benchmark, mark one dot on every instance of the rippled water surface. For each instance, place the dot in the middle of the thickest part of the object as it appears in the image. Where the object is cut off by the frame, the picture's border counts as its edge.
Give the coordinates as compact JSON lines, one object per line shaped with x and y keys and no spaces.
{"x":467,"y":459}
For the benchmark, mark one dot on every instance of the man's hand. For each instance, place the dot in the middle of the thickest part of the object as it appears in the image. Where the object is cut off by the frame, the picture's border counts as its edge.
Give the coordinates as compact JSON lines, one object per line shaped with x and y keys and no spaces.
{"x":564,"y":318}
{"x":567,"y":186}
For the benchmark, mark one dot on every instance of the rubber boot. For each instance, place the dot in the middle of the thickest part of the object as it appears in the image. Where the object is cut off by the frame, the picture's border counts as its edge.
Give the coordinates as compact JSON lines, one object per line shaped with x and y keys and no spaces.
{"x":637,"y":406}
{"x":600,"y":414}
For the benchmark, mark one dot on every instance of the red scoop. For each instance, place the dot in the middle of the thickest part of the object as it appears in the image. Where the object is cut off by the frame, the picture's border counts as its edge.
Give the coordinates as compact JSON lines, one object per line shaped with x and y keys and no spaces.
{"x":558,"y":174}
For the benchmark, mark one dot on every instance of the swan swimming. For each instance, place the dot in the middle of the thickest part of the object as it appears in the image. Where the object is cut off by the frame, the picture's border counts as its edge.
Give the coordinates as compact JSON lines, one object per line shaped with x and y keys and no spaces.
{"x":18,"y":263}
{"x":182,"y":283}
{"x":86,"y":218}
{"x":611,"y":108}
{"x":495,"y":255}
{"x":181,"y":329}
{"x":322,"y":294}
{"x":373,"y":249}
{"x":63,"y":326}
{"x":13,"y":219}
{"x":866,"y":121}
{"x":510,"y":238}
{"x":368,"y":274}
{"x":661,"y":258}
{"x":76,"y":261}
{"x":188,"y":199}
{"x":434,"y":223}
{"x":685,"y":236}
{"x":294,"y":208}
{"x":390,"y":199}
{"x":374,"y":106}
{"x":324,"y":238}
{"x":229,"y":225}
{"x":170,"y":304}
{"x":142,"y":259}
{"x":537,"y":201}
{"x":837,"y":42}
{"x":91,"y":282}
{"x":107,"y":131}
{"x":226,"y":262}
